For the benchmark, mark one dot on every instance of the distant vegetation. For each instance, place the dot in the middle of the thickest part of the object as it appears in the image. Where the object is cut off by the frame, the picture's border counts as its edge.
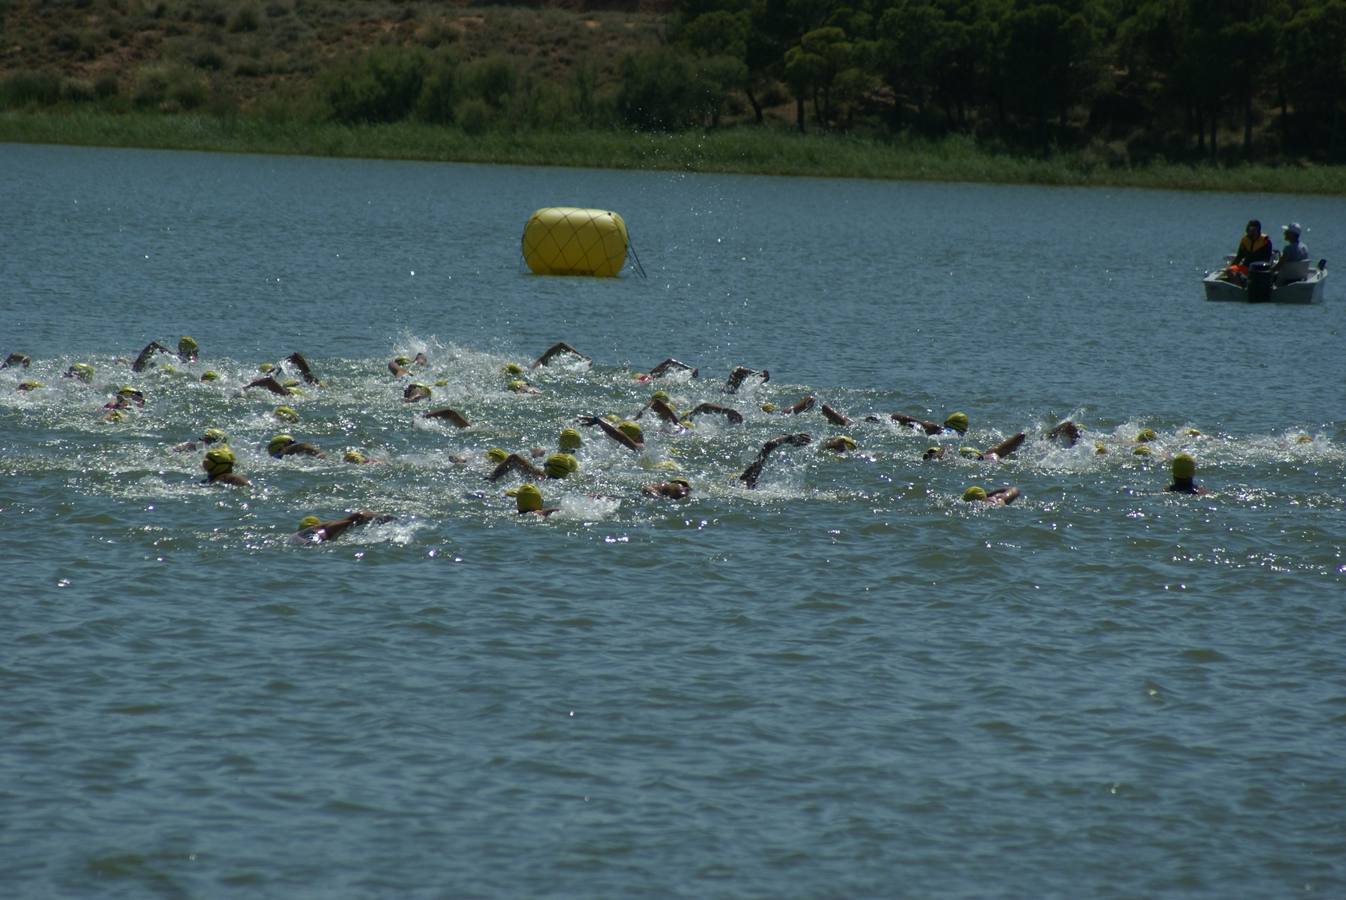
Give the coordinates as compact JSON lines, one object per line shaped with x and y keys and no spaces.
{"x":1092,"y":84}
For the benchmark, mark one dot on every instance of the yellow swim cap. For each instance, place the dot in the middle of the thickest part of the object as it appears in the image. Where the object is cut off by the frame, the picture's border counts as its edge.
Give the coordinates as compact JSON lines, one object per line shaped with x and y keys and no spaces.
{"x":957,"y":421}
{"x":512,"y":369}
{"x":969,"y":452}
{"x":975,"y":492}
{"x":82,"y":371}
{"x":631,"y":430}
{"x":214,"y":436}
{"x":570,"y":439}
{"x":847,"y":442}
{"x":210,"y":376}
{"x":286,"y":414}
{"x":114,"y":416}
{"x":768,"y":407}
{"x":266,"y":368}
{"x":278,"y":443}
{"x":186,"y":345}
{"x":660,"y":395}
{"x":559,"y":465}
{"x":1142,"y":450}
{"x":443,"y":382}
{"x":218,"y":461}
{"x":1194,"y":432}
{"x":516,"y":385}
{"x":1145,"y":435}
{"x":496,"y":455}
{"x":309,"y":522}
{"x":528,"y":498}
{"x":354,"y":456}
{"x":127,"y":389}
{"x":29,"y":384}
{"x":402,"y":360}
{"x":1100,"y":448}
{"x":1184,"y":466}
{"x":1303,"y":439}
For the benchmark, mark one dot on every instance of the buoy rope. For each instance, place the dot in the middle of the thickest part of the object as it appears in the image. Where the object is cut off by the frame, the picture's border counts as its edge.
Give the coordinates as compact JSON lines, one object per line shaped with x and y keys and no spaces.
{"x":639,"y":267}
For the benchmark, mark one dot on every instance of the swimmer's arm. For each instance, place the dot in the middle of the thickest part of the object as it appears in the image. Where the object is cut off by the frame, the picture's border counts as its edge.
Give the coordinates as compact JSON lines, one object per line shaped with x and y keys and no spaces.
{"x":928,"y":427}
{"x":515,"y":462}
{"x":739,"y":375}
{"x":802,"y":406}
{"x":733,"y":415}
{"x":835,"y":417}
{"x":446,"y":412}
{"x":554,"y":350}
{"x":1003,"y":496}
{"x":1005,"y":447}
{"x":669,"y":364}
{"x":302,"y":365}
{"x":612,"y":432}
{"x":143,"y":359}
{"x":270,"y":383}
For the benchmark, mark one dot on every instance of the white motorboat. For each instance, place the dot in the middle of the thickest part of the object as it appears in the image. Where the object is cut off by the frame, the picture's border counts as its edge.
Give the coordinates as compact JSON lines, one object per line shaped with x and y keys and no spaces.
{"x":1261,"y":285}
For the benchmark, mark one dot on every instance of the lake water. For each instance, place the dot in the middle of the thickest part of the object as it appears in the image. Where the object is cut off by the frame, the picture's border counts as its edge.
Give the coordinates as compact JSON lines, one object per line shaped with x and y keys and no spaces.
{"x":843,"y":683}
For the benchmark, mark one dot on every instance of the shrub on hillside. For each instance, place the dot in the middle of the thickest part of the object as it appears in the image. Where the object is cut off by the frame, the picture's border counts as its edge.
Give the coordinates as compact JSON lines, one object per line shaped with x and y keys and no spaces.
{"x":383,"y":85}
{"x":657,"y":91}
{"x":26,"y":89}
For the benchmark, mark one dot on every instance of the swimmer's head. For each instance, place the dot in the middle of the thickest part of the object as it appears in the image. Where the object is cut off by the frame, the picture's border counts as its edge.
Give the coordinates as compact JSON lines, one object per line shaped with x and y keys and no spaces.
{"x":631,"y":430}
{"x":211,"y":375}
{"x":957,"y":421}
{"x":309,"y":522}
{"x":402,"y":360}
{"x":1194,"y":432}
{"x":113,"y":416}
{"x":1142,"y":450}
{"x":1145,"y":435}
{"x":1302,"y":438}
{"x":528,"y":498}
{"x":214,"y":436}
{"x":518,"y":385}
{"x":278,"y":444}
{"x":186,"y":346}
{"x":82,"y":371}
{"x":1184,"y":467}
{"x":974,"y":494}
{"x":768,"y":407}
{"x":559,"y":465}
{"x":497,"y":455}
{"x":218,"y":461}
{"x":29,"y":384}
{"x":969,"y":452}
{"x":286,"y":414}
{"x":266,"y":368}
{"x":512,"y":369}
{"x":570,"y":439}
{"x":354,"y":456}
{"x":660,"y":395}
{"x":127,"y":391}
{"x":1100,"y":448}
{"x":842,"y":444}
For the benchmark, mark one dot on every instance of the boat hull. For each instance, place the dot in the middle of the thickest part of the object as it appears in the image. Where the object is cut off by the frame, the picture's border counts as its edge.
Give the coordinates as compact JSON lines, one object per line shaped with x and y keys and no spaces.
{"x":1310,"y":290}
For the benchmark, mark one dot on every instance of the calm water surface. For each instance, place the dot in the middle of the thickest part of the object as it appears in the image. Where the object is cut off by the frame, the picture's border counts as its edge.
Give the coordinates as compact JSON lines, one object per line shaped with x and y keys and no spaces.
{"x":845,"y":683}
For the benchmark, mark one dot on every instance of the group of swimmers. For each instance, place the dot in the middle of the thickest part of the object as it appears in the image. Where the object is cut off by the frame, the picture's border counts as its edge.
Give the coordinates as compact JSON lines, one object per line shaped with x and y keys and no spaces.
{"x":538,"y":466}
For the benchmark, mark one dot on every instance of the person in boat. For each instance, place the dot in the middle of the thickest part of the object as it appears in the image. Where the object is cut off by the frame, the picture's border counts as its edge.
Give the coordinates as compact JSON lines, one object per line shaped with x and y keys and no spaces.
{"x":313,"y":530}
{"x":751,"y":474}
{"x":1184,"y":476}
{"x":1293,"y":263}
{"x":1254,"y":247}
{"x":1001,"y":496}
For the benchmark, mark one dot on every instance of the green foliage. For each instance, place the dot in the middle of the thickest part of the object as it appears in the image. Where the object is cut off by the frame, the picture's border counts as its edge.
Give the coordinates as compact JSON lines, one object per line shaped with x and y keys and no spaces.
{"x":439,"y":92}
{"x":22,"y":90}
{"x":382,"y":85}
{"x":657,"y":92}
{"x":170,"y":87}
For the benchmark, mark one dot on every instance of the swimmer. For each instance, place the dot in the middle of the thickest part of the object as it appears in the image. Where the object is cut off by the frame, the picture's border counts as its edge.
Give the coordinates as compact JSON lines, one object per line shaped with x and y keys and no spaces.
{"x":741,"y":374}
{"x":842,"y":443}
{"x":555,"y":350}
{"x":358,"y":458}
{"x":674,"y":489}
{"x":20,"y":360}
{"x":81,"y":371}
{"x":516,"y":463}
{"x":313,"y":530}
{"x":754,"y":471}
{"x":659,"y":405}
{"x":208,"y":437}
{"x":519,"y":386}
{"x":125,"y":397}
{"x":528,"y":501}
{"x":671,"y":365}
{"x":1184,"y":475}
{"x":401,"y":365}
{"x":955,"y":422}
{"x":283,"y":445}
{"x":28,"y":384}
{"x":415,"y":392}
{"x":1067,"y":433}
{"x":451,"y":415}
{"x":1003,"y":449}
{"x":187,"y":349}
{"x":1001,"y":496}
{"x":732,"y":415}
{"x":626,"y":433}
{"x":219,"y":466}
{"x":803,"y":405}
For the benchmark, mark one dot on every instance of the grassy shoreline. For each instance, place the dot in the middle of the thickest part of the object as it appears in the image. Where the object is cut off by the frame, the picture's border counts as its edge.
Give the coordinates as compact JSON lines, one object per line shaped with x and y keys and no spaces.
{"x":748,"y":151}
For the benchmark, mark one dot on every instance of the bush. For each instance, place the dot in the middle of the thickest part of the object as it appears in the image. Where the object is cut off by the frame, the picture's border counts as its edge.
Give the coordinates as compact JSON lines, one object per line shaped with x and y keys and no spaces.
{"x":169,"y":87}
{"x":383,"y":85}
{"x":106,"y":87}
{"x":492,"y":79}
{"x":474,"y":115}
{"x":30,"y":89}
{"x":657,"y":92}
{"x":246,"y":18}
{"x":77,"y":90}
{"x":438,"y":93}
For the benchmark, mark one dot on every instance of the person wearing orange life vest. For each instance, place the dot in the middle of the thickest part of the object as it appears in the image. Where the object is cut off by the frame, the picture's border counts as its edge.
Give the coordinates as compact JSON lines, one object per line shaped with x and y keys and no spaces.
{"x":1254,"y":246}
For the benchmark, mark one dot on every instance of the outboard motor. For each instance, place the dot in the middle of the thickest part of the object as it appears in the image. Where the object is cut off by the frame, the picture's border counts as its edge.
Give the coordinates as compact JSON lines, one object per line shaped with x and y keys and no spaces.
{"x":1260,"y":280}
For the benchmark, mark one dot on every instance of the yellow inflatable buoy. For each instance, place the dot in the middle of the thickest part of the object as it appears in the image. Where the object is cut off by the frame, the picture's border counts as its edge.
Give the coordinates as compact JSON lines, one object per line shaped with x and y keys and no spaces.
{"x":567,"y":240}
